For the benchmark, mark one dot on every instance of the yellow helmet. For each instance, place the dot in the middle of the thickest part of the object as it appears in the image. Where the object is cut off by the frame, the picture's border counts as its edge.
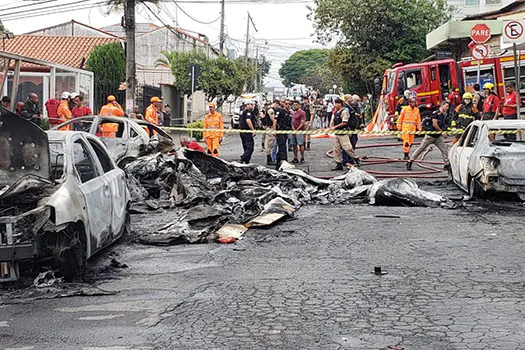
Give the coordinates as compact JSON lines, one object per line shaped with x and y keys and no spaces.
{"x":489,"y":86}
{"x":467,"y":96}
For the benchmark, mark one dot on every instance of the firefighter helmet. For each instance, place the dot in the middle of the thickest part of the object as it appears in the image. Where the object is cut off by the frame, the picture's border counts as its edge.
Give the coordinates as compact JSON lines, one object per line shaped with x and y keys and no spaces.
{"x":467,"y":96}
{"x":488,"y":86}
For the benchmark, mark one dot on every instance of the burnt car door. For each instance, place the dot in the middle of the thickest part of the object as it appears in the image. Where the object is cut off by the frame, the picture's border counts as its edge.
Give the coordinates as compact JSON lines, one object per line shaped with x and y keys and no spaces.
{"x":96,"y":190}
{"x":116,"y":179}
{"x":466,"y":153}
{"x":117,"y":141}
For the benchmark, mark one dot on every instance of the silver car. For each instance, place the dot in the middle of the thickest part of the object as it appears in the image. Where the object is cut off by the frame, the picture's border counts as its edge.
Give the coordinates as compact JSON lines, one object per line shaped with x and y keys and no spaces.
{"x":132,"y":138}
{"x":485,"y":159}
{"x":62,"y":197}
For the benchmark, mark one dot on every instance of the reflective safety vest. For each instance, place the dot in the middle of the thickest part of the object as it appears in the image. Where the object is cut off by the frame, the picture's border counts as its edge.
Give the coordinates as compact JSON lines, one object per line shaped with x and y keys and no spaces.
{"x":213,"y":121}
{"x":409,"y":119}
{"x":465,"y":114}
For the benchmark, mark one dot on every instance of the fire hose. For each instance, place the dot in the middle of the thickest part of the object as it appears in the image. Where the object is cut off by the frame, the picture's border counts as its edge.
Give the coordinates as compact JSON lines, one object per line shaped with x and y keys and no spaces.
{"x":427,"y":173}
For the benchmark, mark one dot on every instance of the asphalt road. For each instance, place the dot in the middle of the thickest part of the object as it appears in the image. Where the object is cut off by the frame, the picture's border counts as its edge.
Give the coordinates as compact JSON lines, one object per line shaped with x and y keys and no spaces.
{"x":454,"y":281}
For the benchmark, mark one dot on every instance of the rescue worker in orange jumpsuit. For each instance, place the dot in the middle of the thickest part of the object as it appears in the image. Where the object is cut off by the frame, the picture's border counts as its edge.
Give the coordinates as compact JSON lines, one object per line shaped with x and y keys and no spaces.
{"x":111,"y":109}
{"x":213,"y":120}
{"x":153,"y":110}
{"x":409,"y":120}
{"x":63,"y":111}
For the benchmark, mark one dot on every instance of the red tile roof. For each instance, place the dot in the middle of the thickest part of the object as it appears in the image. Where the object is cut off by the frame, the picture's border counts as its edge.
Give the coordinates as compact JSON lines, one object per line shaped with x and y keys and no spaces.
{"x":64,"y":50}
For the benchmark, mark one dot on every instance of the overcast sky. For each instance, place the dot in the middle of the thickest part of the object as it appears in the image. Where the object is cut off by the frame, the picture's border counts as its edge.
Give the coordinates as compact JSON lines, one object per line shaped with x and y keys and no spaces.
{"x":281,"y":24}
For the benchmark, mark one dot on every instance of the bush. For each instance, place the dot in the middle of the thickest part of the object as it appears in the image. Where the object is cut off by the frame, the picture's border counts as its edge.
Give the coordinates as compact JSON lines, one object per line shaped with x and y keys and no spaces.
{"x":197,"y":135}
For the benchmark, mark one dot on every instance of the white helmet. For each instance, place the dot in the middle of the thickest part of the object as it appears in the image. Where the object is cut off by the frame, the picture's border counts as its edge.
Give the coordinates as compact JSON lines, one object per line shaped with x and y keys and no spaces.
{"x":356,"y":98}
{"x":65,"y":95}
{"x":407,"y":93}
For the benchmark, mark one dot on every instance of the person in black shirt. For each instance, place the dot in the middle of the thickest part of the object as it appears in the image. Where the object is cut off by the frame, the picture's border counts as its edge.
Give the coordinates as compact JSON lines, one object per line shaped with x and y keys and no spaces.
{"x":31,"y":110}
{"x":283,"y":121}
{"x":438,"y":124}
{"x":306,"y":108}
{"x":247,"y":122}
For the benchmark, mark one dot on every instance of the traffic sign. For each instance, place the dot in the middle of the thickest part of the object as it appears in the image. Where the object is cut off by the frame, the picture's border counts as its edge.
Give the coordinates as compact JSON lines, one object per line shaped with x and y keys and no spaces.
{"x":513,"y":31}
{"x":479,"y":51}
{"x":480,"y":33}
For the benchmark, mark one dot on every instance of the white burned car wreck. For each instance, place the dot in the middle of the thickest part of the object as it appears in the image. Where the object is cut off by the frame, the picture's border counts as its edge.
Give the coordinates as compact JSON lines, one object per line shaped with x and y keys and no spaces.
{"x":62,"y":198}
{"x":126,"y":139}
{"x":490,"y":155}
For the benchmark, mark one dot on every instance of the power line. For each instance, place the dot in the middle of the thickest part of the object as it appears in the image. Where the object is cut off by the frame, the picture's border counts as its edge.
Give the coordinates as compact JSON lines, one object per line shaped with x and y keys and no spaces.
{"x":55,"y":11}
{"x":193,"y":18}
{"x":46,"y":7}
{"x":33,"y":4}
{"x":180,"y":35}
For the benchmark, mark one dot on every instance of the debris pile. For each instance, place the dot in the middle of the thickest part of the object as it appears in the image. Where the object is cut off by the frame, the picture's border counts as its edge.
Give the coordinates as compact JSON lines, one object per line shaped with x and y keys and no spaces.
{"x":201,"y":194}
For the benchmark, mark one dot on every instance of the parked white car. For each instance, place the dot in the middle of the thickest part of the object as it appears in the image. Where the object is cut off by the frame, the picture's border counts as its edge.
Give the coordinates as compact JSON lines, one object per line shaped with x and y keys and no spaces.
{"x":62,"y":197}
{"x":483,"y":160}
{"x":133,"y":138}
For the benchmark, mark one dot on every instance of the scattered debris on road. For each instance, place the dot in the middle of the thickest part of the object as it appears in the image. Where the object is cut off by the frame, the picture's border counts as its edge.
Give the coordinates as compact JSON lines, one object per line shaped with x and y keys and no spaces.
{"x":205,"y":196}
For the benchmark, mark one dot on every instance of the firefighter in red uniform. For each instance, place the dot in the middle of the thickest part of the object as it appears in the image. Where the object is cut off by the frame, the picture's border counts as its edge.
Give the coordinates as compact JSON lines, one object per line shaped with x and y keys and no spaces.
{"x":491,"y":104}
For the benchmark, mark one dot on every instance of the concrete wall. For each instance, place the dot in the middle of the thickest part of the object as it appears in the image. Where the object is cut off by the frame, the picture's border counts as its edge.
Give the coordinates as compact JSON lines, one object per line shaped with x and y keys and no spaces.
{"x":70,"y":29}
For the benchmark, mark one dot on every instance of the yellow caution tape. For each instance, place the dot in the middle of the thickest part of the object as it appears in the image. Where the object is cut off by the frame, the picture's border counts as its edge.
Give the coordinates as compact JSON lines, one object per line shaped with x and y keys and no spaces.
{"x":336,"y":132}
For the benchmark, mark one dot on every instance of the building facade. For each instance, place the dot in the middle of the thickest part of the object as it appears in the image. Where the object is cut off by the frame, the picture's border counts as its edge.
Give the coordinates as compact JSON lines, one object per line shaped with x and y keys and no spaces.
{"x":471,"y":7}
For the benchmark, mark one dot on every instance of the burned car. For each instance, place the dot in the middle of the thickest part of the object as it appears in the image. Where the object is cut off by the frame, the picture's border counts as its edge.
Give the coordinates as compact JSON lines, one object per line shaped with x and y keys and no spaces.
{"x":490,"y":155}
{"x":62,"y":197}
{"x":126,"y":139}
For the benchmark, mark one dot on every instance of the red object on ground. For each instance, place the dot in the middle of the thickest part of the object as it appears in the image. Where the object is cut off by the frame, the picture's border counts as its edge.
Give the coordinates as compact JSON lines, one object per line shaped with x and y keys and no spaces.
{"x":195,"y":146}
{"x":226,"y":240}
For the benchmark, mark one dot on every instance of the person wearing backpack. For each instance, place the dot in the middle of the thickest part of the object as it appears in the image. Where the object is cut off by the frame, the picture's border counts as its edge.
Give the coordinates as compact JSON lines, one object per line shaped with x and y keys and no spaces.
{"x":438,"y":124}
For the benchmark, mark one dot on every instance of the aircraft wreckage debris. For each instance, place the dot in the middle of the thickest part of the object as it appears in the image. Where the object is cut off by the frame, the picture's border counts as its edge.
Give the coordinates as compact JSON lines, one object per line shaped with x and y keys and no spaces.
{"x":202,"y":199}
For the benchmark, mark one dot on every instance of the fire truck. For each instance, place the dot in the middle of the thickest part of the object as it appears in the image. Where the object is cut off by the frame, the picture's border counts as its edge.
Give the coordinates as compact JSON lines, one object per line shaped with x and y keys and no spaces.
{"x":433,"y":81}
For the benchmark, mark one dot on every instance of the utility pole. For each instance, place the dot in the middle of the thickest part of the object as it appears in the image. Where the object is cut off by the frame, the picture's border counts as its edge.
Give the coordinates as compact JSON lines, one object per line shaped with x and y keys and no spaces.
{"x":221,"y":35}
{"x":250,"y":19}
{"x":129,"y":26}
{"x":256,"y":68}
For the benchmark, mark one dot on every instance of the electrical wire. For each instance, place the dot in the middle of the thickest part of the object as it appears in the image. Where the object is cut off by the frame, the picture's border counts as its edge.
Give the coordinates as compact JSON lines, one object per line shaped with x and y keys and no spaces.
{"x":193,"y":18}
{"x":52,"y":12}
{"x":180,"y":35}
{"x":46,"y":7}
{"x":20,"y":6}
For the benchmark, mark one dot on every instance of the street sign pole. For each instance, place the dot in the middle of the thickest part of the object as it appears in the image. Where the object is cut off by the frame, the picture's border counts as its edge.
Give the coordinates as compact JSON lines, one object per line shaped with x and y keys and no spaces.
{"x":517,"y":85}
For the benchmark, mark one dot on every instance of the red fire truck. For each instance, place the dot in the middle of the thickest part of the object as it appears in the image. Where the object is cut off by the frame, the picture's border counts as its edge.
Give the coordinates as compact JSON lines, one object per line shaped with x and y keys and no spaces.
{"x":433,"y":80}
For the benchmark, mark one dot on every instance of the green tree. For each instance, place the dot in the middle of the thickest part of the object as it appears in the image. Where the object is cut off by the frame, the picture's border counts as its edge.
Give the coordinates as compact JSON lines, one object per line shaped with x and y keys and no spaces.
{"x":219,"y":77}
{"x":180,"y":64}
{"x":374,"y":34}
{"x":302,"y":65}
{"x":2,"y":28}
{"x":108,"y":63}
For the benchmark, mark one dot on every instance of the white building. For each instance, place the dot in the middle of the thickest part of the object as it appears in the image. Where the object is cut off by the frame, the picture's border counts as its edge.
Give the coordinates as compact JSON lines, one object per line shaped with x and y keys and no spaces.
{"x":472,"y":7}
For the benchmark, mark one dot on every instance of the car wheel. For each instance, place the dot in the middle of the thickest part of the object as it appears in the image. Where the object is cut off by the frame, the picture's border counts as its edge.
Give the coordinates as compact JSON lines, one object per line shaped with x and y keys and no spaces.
{"x":73,"y":254}
{"x":521,"y":196}
{"x":475,"y":190}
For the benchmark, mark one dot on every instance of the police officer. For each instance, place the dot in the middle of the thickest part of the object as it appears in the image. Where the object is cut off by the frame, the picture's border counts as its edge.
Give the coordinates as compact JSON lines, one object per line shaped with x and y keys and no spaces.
{"x":282,"y":121}
{"x":342,"y":142}
{"x":247,"y":122}
{"x":465,"y":114}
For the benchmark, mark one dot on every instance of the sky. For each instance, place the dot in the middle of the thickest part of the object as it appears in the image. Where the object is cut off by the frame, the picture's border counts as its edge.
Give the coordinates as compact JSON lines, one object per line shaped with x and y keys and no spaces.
{"x":282,"y":26}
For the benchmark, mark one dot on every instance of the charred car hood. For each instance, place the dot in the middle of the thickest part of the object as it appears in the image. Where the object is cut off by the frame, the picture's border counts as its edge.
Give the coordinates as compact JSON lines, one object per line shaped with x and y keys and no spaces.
{"x":24,"y":149}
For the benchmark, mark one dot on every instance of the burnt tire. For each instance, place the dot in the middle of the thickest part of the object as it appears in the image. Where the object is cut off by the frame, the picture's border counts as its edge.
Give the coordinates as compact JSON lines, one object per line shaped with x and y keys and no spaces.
{"x":72,"y":259}
{"x":475,"y":190}
{"x":521,"y":196}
